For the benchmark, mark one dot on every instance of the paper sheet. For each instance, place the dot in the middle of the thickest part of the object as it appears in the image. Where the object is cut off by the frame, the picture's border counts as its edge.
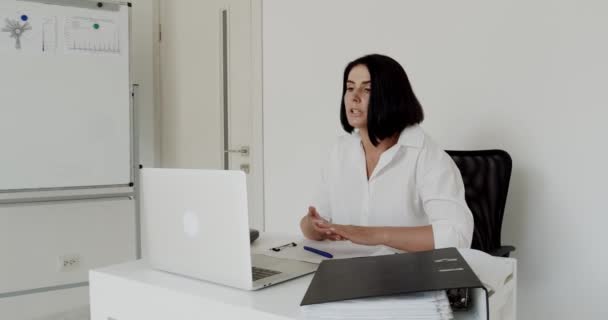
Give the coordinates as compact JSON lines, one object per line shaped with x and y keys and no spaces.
{"x":27,"y":32}
{"x":92,"y":35}
{"x":49,"y":34}
{"x":339,"y":249}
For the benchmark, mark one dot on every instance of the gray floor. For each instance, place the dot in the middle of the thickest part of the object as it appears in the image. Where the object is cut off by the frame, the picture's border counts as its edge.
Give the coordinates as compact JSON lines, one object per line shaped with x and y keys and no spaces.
{"x":80,"y":313}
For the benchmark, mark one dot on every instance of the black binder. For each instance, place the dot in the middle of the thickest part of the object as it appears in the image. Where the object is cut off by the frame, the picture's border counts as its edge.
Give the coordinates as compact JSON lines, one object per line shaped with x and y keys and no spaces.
{"x":365,"y":277}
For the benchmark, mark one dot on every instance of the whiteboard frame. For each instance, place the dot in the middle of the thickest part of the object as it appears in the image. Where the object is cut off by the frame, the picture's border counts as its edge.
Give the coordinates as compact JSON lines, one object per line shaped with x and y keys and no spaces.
{"x":132,"y":134}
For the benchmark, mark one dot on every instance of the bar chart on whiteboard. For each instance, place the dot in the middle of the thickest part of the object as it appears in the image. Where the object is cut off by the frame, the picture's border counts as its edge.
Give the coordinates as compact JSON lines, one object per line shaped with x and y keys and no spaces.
{"x":92,"y":35}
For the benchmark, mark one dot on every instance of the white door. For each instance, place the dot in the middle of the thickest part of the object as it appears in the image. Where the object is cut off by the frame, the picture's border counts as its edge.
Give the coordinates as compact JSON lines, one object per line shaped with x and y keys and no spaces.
{"x":209,"y":78}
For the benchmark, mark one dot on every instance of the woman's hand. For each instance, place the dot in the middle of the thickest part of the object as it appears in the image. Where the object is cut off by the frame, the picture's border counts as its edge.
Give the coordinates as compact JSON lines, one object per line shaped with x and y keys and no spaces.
{"x":318,"y":225}
{"x":370,"y":236}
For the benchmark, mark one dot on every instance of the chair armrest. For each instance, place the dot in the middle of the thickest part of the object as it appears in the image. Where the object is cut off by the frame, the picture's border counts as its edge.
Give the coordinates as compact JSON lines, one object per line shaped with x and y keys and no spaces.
{"x":503,"y":251}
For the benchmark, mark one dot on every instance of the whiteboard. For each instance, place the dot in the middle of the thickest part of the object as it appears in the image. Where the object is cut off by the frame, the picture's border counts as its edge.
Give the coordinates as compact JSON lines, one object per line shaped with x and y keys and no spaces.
{"x":65,"y":103}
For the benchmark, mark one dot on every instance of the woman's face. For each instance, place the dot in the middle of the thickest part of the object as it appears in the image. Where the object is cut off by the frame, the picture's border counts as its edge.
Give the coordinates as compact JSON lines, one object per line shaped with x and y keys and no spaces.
{"x":356,"y":97}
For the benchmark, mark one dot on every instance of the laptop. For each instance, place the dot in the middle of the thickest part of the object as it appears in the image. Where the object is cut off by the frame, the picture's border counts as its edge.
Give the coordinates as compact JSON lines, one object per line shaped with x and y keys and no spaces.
{"x":195,"y":223}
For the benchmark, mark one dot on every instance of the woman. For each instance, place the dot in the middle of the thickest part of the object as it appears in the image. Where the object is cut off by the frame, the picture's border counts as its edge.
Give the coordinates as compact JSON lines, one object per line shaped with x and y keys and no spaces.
{"x":387,"y":183}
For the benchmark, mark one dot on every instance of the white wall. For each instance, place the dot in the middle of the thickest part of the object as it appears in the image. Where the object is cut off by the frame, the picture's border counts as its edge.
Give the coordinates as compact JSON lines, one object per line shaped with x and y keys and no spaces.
{"x":525,"y":76}
{"x":34,"y":235}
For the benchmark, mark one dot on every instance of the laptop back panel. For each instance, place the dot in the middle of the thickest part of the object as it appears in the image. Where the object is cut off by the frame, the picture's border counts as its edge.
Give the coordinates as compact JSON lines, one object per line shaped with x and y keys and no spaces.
{"x":195,"y":223}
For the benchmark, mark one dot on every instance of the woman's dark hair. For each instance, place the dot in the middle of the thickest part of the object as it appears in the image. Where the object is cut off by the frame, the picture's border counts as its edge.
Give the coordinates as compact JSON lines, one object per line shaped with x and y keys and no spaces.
{"x":393,"y":106}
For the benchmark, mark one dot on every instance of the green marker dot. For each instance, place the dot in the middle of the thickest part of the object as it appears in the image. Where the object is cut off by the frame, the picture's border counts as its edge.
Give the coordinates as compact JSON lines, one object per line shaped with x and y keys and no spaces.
{"x":96,"y":26}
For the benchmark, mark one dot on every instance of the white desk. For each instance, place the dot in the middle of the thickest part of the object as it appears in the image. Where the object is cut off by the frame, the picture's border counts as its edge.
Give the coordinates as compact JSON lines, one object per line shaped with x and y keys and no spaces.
{"x":135,"y":291}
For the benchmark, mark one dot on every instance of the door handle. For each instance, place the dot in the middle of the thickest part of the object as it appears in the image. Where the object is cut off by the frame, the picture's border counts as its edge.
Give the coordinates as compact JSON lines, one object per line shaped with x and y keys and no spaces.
{"x":244,"y":151}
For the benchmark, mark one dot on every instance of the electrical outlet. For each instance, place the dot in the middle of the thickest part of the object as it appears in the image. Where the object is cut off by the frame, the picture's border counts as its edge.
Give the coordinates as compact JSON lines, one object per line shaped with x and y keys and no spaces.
{"x":68,"y":262}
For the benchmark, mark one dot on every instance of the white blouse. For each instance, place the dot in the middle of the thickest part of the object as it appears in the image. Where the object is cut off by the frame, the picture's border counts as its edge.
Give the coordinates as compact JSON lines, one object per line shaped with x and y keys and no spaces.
{"x":415,"y":183}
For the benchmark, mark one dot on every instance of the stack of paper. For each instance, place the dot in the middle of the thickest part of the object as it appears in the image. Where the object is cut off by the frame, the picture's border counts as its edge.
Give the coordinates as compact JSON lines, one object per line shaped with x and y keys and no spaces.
{"x":433,"y":305}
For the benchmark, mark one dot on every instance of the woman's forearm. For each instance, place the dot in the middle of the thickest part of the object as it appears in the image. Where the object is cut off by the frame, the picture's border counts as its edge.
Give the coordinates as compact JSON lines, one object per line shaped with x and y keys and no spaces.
{"x":402,"y":238}
{"x":408,"y":238}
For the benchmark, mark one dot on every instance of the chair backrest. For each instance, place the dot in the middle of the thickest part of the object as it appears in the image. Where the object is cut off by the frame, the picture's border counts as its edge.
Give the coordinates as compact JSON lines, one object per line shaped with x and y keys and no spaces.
{"x":486,"y":175}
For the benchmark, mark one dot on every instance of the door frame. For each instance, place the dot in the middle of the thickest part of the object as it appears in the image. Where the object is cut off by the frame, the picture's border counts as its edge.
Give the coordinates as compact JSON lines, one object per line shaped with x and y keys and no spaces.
{"x":257,"y":105}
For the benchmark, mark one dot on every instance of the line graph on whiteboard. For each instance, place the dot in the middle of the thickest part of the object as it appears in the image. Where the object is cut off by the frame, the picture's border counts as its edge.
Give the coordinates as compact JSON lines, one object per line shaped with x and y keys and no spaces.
{"x":92,"y":35}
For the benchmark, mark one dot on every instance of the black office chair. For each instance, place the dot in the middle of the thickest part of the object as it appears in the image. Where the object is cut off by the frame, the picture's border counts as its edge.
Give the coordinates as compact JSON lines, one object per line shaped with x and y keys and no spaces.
{"x":486,"y":175}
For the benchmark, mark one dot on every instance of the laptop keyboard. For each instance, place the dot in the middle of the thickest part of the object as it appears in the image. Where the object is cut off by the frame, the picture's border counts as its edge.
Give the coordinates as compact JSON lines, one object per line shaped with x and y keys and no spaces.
{"x":260,"y":273}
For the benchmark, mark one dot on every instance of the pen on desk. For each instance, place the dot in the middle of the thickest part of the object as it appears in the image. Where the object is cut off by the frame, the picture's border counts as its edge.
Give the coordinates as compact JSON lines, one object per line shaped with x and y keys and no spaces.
{"x":319,"y":252}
